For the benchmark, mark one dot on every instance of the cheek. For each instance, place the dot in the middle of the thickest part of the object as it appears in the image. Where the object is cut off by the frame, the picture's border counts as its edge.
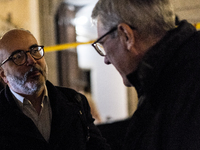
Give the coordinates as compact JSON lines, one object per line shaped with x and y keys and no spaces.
{"x":117,"y":61}
{"x":42,"y":63}
{"x":116,"y":54}
{"x":12,"y":72}
{"x":43,"y":66}
{"x":113,"y":50}
{"x":122,"y":62}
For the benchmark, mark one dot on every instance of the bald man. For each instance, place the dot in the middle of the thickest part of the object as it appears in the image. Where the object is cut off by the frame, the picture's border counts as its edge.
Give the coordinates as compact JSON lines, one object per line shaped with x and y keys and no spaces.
{"x":34,"y":114}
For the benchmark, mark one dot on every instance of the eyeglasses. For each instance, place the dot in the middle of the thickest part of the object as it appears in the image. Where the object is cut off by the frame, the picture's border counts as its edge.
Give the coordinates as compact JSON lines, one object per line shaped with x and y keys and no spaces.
{"x":99,"y":47}
{"x":19,"y":57}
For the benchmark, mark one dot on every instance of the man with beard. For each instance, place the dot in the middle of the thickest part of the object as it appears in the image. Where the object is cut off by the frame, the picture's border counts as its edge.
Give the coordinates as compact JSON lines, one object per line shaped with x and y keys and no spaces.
{"x":34,"y":114}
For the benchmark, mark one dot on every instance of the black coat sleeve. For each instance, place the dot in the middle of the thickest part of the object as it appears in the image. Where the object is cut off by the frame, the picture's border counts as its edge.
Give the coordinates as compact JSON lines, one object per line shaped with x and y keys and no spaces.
{"x":93,"y":137}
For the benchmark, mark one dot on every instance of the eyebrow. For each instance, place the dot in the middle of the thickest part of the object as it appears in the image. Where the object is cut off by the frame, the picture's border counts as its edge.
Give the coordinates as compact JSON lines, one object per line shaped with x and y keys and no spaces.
{"x":32,"y":46}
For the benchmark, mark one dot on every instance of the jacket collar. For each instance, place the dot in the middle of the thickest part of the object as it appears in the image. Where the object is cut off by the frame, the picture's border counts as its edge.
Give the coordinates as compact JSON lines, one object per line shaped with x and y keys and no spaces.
{"x":157,"y":58}
{"x":64,"y":113}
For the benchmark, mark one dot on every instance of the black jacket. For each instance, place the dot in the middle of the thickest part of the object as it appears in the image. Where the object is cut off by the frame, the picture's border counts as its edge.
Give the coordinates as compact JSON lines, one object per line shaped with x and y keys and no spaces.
{"x":72,"y":125}
{"x":168,"y":84}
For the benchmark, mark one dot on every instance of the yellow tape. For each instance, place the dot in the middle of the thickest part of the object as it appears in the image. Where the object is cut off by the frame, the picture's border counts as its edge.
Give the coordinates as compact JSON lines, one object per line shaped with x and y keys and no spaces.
{"x":197,"y":25}
{"x":64,"y":46}
{"x":74,"y":45}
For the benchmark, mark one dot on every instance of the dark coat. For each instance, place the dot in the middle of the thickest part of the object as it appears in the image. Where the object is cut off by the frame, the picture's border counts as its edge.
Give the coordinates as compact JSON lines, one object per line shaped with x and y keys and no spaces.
{"x":168,"y":83}
{"x":72,"y":125}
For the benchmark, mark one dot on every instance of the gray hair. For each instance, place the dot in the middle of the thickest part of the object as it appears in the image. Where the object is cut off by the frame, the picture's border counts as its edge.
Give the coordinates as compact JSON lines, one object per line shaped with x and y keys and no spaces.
{"x":149,"y":17}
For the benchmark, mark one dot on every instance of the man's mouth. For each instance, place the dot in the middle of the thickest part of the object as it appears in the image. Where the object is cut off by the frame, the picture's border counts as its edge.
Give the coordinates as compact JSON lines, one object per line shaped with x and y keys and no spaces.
{"x":34,"y":72}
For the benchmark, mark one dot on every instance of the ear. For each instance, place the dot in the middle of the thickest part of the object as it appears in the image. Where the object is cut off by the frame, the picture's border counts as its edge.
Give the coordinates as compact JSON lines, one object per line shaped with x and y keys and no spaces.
{"x":126,"y":35}
{"x":2,"y":75}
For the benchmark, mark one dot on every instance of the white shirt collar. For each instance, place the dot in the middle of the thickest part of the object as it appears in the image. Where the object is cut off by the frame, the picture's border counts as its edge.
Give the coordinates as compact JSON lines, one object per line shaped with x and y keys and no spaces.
{"x":21,"y":98}
{"x":17,"y":96}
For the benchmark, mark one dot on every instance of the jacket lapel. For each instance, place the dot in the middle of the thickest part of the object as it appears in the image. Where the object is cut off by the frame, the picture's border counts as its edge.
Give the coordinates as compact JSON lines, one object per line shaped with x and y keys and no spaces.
{"x":13,"y":120}
{"x":64,"y":113}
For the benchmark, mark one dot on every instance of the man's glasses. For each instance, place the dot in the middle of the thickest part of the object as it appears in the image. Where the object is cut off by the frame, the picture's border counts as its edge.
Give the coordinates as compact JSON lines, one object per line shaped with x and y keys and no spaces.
{"x":19,"y":57}
{"x":99,"y":47}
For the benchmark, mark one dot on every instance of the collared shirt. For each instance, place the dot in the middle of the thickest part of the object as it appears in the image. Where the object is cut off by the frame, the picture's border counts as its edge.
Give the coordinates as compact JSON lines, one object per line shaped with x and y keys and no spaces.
{"x":41,"y":120}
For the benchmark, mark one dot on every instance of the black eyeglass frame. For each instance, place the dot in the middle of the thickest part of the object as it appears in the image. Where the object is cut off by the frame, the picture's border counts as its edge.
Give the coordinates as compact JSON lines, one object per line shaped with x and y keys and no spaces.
{"x":96,"y":48}
{"x":11,"y":56}
{"x":112,"y":30}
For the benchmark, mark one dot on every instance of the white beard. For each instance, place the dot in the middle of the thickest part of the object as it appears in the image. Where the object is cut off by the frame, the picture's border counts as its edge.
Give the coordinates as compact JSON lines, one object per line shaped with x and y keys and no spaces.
{"x":22,"y":85}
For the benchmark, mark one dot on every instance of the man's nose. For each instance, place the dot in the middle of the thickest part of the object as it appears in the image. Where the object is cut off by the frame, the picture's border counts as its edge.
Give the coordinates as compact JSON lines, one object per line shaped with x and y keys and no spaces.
{"x":106,"y":61}
{"x":30,"y":59}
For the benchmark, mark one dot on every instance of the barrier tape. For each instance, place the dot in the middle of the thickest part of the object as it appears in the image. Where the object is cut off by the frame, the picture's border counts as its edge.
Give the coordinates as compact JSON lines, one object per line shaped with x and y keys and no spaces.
{"x":197,"y":26}
{"x":74,"y":45}
{"x":64,"y":46}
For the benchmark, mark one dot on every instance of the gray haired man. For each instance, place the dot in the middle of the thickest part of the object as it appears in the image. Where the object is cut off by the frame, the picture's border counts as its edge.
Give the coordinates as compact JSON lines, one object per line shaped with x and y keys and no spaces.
{"x":162,"y":61}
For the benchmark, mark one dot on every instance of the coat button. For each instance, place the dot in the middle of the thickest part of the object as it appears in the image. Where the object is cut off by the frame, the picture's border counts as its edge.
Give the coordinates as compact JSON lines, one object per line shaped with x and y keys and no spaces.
{"x":80,"y":112}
